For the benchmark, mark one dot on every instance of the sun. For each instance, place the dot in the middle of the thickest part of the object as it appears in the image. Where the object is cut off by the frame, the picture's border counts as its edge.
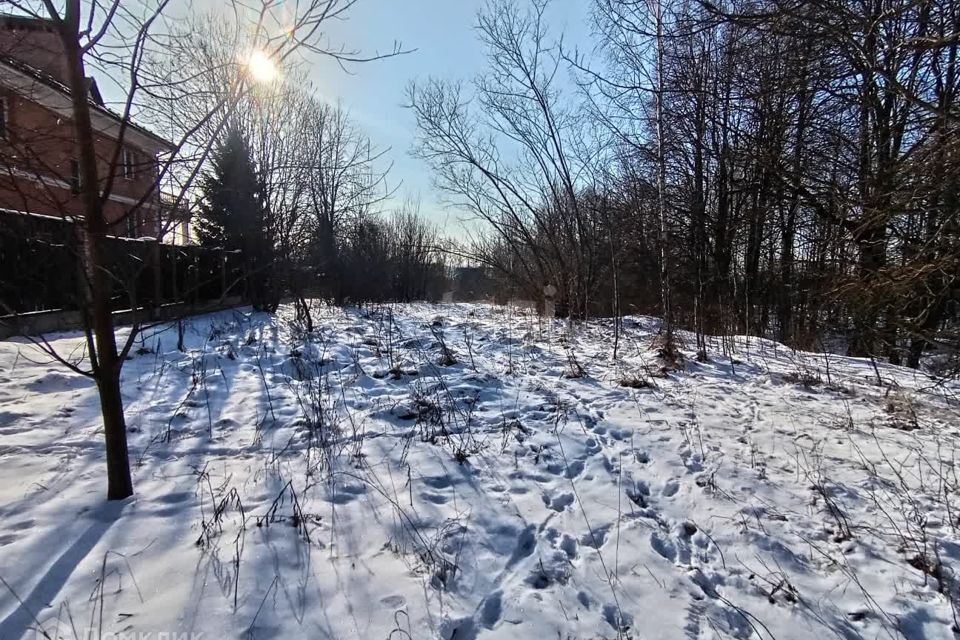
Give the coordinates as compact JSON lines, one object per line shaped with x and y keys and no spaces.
{"x":261,"y":68}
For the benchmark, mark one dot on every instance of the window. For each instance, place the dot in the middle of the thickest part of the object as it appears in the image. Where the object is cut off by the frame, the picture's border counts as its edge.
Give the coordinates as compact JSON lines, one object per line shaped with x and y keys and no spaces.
{"x":129,"y":160}
{"x":75,"y":182}
{"x":133,"y":225}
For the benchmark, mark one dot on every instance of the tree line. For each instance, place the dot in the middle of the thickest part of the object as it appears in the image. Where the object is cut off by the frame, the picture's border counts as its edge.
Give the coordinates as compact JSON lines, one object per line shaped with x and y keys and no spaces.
{"x":300,"y":191}
{"x":775,"y":168}
{"x":175,"y":75}
{"x":769,"y":167}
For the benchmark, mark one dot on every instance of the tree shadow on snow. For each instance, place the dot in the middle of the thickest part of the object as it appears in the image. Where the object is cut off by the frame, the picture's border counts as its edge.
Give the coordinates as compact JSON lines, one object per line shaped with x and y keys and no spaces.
{"x":24,"y":616}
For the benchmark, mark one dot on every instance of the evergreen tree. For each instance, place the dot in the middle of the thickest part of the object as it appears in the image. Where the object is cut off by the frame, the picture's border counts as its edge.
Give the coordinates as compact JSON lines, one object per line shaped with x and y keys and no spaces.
{"x":230,"y":199}
{"x":232,"y":215}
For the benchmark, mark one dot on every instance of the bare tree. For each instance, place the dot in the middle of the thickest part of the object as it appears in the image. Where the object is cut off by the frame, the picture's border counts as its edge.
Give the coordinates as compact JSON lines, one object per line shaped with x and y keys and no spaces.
{"x":89,"y":34}
{"x":523,"y":162}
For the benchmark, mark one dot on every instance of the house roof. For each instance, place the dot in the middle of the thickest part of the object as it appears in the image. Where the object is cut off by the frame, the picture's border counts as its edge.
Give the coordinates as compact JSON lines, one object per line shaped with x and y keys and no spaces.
{"x":26,"y":23}
{"x":96,"y":100}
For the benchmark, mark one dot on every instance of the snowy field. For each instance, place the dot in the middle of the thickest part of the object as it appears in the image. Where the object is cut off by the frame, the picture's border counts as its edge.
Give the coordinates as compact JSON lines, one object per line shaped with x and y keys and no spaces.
{"x":461,"y":471}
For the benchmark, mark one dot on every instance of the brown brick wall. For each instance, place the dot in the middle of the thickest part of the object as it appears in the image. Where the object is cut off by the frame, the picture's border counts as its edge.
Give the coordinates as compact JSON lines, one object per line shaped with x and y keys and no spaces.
{"x":41,"y":143}
{"x":35,"y":45}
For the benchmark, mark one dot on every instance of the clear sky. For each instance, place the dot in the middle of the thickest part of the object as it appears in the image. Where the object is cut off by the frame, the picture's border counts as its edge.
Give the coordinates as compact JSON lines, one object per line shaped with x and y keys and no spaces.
{"x":442,"y":32}
{"x":442,"y":35}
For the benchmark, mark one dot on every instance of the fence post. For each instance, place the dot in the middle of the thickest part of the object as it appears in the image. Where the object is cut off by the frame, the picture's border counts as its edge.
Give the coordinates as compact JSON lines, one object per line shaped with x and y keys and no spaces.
{"x":157,"y":278}
{"x":174,"y":290}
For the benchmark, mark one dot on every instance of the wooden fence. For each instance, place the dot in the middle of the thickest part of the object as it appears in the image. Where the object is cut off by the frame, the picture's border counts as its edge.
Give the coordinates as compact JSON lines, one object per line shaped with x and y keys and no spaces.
{"x":40,"y":270}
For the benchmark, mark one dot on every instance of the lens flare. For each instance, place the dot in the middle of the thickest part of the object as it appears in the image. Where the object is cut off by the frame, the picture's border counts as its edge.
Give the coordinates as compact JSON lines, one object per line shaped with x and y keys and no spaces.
{"x":261,"y":68}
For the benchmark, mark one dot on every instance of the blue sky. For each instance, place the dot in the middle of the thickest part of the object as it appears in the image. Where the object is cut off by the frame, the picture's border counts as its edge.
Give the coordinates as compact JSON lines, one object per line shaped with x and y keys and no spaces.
{"x":442,"y":35}
{"x":442,"y":32}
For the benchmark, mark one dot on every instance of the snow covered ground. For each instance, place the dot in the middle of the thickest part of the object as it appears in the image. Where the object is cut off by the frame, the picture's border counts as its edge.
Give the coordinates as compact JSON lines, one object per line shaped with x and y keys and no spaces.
{"x":461,"y":471}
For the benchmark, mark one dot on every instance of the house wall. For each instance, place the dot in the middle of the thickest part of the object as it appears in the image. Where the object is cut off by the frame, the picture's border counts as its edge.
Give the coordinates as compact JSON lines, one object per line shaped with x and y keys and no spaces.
{"x":37,"y":171}
{"x":38,"y":150}
{"x":35,"y":43}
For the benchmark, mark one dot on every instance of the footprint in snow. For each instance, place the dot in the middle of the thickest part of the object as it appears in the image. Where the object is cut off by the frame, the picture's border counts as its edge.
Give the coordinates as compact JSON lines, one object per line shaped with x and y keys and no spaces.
{"x":435,"y":498}
{"x":553,"y":568}
{"x":393,"y":602}
{"x":526,"y":543}
{"x":670,"y":489}
{"x":344,"y":494}
{"x":569,"y":546}
{"x":23,"y":524}
{"x":556,"y":468}
{"x":675,"y":545}
{"x":609,"y":465}
{"x":690,"y":460}
{"x":458,"y":629}
{"x":491,"y":609}
{"x":437,"y":482}
{"x":664,"y":545}
{"x":639,"y":493}
{"x":620,"y":434}
{"x":558,"y":502}
{"x":574,"y":469}
{"x":596,"y":538}
{"x":616,"y":618}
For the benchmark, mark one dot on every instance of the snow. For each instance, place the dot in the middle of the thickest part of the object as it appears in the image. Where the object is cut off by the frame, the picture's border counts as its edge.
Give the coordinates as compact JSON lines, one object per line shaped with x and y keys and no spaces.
{"x":445,"y":471}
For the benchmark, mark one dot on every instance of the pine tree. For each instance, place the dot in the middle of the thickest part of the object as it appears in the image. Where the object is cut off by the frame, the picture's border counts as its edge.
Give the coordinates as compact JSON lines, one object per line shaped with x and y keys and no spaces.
{"x":232,"y":216}
{"x":231,"y":202}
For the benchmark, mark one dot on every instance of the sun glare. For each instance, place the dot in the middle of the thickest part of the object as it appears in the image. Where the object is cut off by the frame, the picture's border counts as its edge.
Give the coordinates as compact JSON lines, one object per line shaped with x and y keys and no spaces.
{"x":261,"y":67}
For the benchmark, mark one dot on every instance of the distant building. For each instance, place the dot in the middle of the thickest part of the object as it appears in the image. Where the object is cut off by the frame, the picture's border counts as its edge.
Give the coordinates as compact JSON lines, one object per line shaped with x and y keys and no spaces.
{"x":39,"y":173}
{"x":176,"y":221}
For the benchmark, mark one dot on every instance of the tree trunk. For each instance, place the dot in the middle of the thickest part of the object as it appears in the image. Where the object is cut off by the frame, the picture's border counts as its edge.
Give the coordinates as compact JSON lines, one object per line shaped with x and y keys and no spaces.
{"x":119,"y":483}
{"x":98,"y":287}
{"x":661,"y":188}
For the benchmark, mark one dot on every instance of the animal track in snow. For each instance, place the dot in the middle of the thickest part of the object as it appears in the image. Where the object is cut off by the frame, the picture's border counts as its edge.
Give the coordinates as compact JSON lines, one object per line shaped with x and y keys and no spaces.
{"x":458,"y":629}
{"x":664,"y":545}
{"x":574,"y":469}
{"x":23,"y":524}
{"x":639,"y":493}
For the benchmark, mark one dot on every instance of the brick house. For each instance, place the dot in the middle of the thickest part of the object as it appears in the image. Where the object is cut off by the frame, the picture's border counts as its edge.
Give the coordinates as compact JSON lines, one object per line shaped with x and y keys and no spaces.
{"x":38,"y":167}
